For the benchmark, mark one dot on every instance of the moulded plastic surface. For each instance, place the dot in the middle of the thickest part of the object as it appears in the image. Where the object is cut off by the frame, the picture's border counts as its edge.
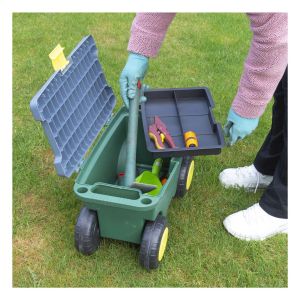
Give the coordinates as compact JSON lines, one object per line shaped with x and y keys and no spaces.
{"x":183,"y":110}
{"x":73,"y":106}
{"x":121,"y":210}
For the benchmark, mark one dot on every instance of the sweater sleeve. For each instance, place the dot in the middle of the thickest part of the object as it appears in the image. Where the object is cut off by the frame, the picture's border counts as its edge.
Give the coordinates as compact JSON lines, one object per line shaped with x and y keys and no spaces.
{"x":148,"y":31}
{"x":264,"y":65}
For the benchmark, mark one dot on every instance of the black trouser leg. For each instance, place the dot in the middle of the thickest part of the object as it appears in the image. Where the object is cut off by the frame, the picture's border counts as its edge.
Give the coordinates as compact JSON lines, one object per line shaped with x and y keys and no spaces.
{"x":270,"y":152}
{"x":274,"y":200}
{"x":272,"y":157}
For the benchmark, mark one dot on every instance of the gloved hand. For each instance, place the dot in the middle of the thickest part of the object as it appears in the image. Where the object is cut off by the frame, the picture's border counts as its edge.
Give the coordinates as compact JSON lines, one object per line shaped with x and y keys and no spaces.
{"x":136,"y":68}
{"x":238,"y":127}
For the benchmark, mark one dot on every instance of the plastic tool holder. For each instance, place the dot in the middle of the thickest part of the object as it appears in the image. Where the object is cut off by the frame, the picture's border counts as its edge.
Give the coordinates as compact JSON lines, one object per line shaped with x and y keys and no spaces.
{"x":183,"y":110}
{"x":73,"y":106}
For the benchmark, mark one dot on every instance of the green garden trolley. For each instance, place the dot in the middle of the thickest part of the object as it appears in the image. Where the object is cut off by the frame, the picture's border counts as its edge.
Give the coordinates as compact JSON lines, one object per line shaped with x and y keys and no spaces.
{"x":75,"y":106}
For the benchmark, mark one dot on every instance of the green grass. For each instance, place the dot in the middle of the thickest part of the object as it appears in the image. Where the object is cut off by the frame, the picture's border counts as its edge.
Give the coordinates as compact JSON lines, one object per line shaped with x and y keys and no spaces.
{"x":200,"y":49}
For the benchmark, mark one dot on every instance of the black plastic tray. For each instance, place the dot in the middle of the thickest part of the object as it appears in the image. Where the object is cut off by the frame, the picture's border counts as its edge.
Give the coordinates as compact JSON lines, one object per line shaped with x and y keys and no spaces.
{"x":188,"y":109}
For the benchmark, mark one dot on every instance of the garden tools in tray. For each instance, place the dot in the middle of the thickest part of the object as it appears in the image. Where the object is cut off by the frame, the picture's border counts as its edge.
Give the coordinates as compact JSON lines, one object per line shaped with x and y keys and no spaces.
{"x":159,"y":133}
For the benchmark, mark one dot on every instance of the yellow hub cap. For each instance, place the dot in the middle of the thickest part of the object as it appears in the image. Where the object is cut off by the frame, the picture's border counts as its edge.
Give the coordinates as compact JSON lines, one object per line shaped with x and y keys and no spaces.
{"x":163,"y":244}
{"x":190,"y":175}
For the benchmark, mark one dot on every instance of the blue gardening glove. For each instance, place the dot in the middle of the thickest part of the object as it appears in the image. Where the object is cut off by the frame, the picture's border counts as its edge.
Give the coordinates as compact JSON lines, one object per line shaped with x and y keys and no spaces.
{"x":238,"y":127}
{"x":136,"y":68}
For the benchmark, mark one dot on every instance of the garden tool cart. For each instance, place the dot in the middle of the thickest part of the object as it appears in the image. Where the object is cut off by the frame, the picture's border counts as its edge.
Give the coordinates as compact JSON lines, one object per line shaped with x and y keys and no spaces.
{"x":76,"y":104}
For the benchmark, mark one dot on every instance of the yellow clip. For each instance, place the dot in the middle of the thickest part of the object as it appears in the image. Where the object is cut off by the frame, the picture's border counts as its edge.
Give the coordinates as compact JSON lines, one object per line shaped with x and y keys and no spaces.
{"x":59,"y":62}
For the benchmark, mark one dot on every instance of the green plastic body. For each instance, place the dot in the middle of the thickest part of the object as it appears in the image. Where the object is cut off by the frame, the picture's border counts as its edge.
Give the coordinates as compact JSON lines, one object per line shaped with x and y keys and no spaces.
{"x":122,"y":211}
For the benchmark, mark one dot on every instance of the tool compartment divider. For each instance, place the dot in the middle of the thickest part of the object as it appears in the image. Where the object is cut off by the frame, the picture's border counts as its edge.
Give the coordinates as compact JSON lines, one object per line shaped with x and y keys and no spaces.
{"x":178,"y":113}
{"x":183,"y":110}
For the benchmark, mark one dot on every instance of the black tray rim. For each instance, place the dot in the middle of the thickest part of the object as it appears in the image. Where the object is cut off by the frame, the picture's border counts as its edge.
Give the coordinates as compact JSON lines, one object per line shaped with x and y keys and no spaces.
{"x":168,"y":152}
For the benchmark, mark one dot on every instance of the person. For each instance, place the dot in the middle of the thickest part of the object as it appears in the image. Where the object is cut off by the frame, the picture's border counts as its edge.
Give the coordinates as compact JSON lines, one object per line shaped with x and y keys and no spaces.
{"x":264,"y":76}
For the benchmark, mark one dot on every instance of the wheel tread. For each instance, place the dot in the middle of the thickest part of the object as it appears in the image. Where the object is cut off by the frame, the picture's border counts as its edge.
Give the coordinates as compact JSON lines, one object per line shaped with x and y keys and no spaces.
{"x":87,"y":232}
{"x":151,"y":242}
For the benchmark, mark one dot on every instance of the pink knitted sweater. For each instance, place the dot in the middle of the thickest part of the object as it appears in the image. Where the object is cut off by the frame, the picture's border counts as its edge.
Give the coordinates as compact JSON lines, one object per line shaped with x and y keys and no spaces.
{"x":263,"y":67}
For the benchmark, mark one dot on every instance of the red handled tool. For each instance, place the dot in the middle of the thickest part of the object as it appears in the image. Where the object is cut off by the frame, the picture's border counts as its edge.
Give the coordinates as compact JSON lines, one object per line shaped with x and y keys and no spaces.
{"x":158,"y":133}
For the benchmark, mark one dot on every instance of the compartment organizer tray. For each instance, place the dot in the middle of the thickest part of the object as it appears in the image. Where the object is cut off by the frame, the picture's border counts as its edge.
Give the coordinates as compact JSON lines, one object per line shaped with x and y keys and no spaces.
{"x":73,"y":106}
{"x":186,"y":109}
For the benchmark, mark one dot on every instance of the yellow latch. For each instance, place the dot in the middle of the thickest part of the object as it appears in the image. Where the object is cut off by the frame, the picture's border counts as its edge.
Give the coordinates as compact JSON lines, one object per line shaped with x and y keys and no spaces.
{"x":59,"y":62}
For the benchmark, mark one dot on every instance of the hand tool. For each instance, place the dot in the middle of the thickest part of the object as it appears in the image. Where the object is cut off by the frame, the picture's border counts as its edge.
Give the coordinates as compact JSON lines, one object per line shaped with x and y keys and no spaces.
{"x":158,"y":133}
{"x":149,"y":182}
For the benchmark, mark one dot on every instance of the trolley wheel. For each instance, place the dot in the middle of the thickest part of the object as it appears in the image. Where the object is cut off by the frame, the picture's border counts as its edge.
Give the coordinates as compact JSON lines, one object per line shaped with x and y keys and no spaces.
{"x":185,"y":176}
{"x":87,"y":232}
{"x":154,"y":242}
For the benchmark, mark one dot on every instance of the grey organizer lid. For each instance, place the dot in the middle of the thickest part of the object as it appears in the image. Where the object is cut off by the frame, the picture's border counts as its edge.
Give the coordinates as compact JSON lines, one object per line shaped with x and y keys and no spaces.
{"x":73,"y":106}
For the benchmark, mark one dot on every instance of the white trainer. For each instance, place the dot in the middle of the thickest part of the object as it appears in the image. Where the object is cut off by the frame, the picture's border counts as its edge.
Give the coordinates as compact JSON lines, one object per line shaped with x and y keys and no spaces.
{"x":246,"y":177}
{"x":254,"y":224}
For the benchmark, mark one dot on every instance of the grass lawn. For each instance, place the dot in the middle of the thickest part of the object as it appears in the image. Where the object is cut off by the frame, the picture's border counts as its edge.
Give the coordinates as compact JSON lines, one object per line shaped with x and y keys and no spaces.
{"x":200,"y":49}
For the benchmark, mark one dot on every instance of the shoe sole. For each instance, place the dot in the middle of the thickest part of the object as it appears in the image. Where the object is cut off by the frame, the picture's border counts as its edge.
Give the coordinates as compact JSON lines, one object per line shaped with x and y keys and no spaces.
{"x":283,"y":230}
{"x":247,"y":189}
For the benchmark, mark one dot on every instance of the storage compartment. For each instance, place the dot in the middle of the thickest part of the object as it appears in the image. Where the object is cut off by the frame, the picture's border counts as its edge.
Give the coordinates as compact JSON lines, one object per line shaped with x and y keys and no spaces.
{"x":111,"y":158}
{"x":183,"y":110}
{"x":114,"y":191}
{"x":98,"y":179}
{"x":122,"y":211}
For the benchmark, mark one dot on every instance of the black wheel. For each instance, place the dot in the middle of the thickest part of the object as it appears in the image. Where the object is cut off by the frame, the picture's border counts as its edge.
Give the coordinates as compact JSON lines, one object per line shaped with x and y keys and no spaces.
{"x":185,"y":176}
{"x":87,"y":232}
{"x":154,"y":242}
